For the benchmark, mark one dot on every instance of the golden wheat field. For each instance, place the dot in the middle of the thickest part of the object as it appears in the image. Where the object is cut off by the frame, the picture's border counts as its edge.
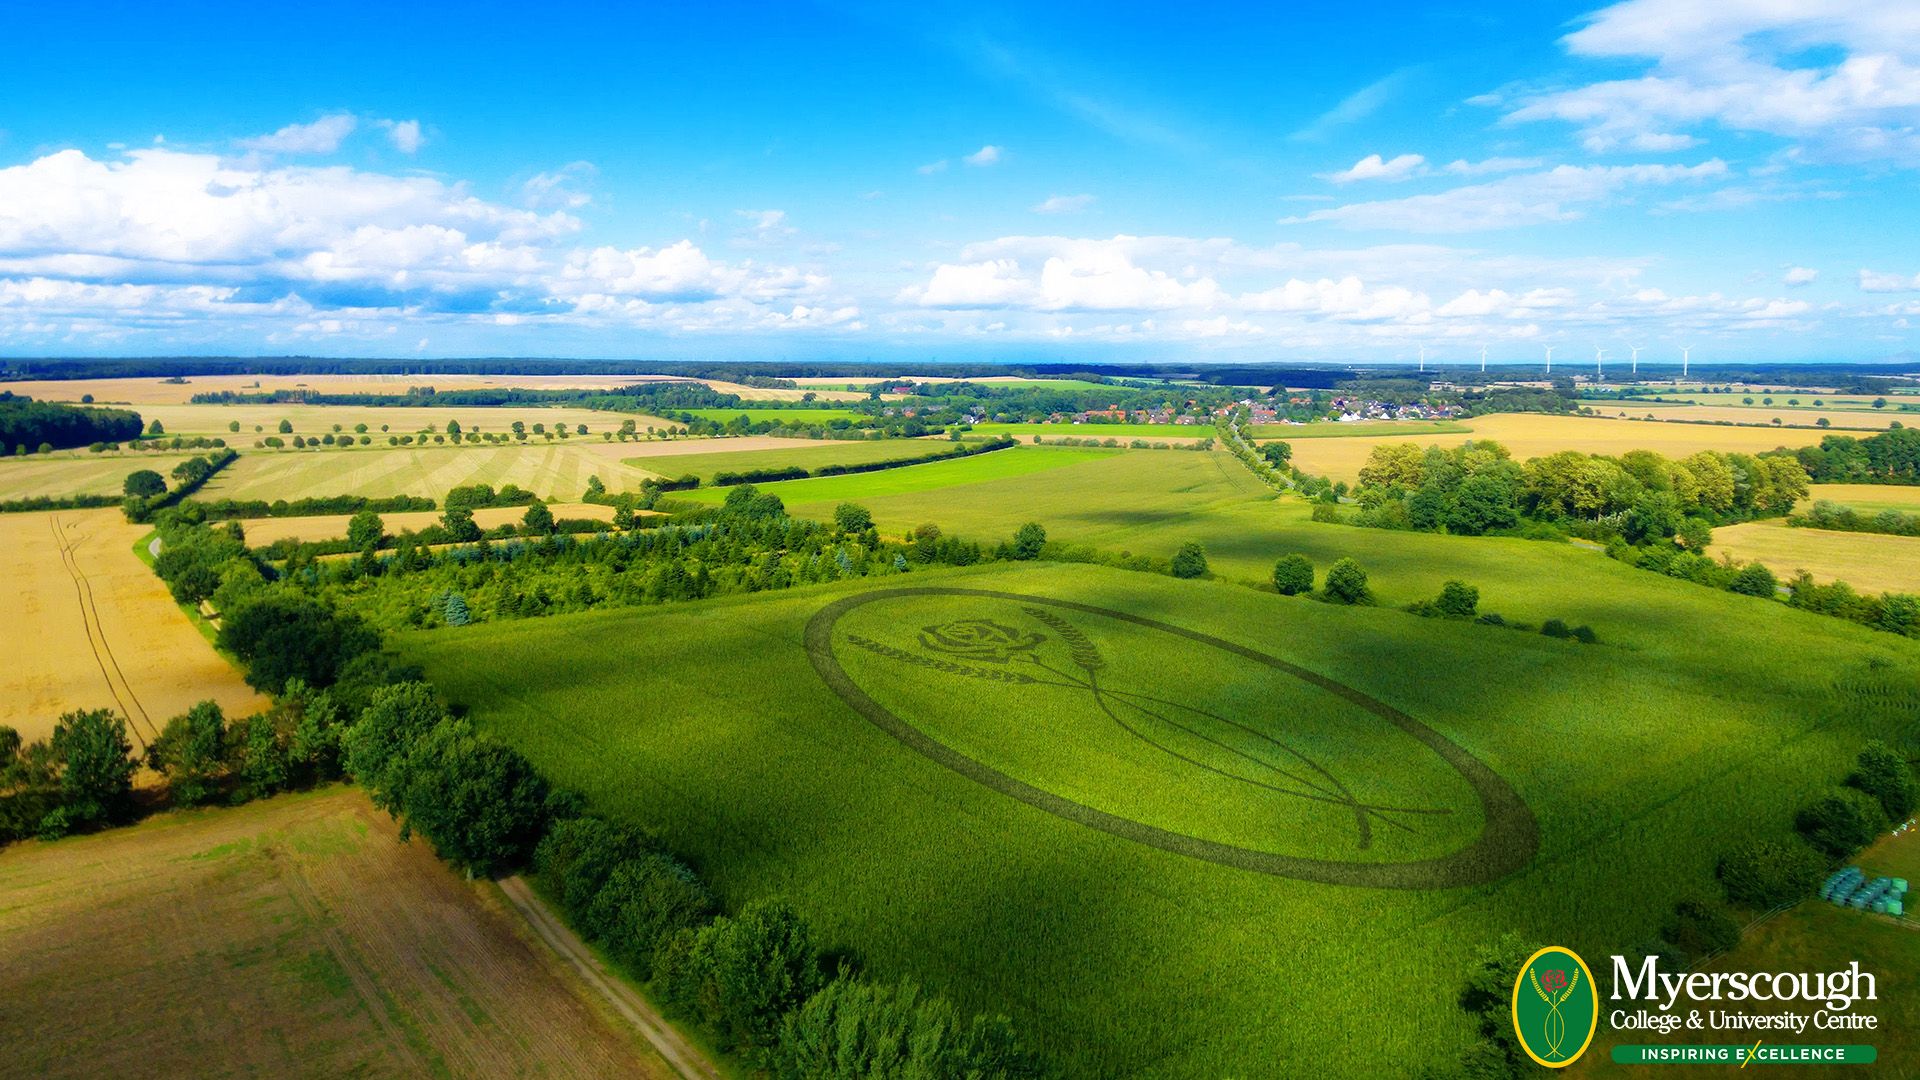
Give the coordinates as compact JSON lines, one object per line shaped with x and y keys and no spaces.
{"x":1534,"y":435}
{"x":152,"y":391}
{"x":1870,"y":562}
{"x":310,"y":529}
{"x":1838,"y":419}
{"x":94,"y":628}
{"x":1866,"y":498}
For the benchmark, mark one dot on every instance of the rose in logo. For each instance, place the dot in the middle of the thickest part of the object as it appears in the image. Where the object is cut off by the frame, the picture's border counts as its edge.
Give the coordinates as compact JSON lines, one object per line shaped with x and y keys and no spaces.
{"x":1553,"y":979}
{"x":979,"y":640}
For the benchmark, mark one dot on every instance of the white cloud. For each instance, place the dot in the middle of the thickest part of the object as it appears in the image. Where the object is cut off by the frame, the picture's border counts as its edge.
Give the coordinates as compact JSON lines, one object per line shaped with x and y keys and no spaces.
{"x":1877,"y":282}
{"x":1800,"y":275}
{"x":559,"y":189}
{"x":323,"y":136}
{"x":986,"y":155}
{"x":1489,"y":166}
{"x":1063,"y":204}
{"x":766,"y":226}
{"x":1840,"y":76}
{"x":1371,"y":167}
{"x":932,"y":167}
{"x":1559,"y":194}
{"x":405,"y":135}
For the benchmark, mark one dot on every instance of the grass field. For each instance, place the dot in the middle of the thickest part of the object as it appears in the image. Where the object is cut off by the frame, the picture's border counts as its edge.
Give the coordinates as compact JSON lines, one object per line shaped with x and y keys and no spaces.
{"x":77,"y":472}
{"x":1123,"y":939}
{"x":1867,"y":498}
{"x":794,"y":416}
{"x":1358,"y":427}
{"x":93,"y":628}
{"x":722,"y":456}
{"x":821,"y":494}
{"x":1870,"y":562}
{"x":1535,"y":434}
{"x":1150,"y":432}
{"x":292,"y":937}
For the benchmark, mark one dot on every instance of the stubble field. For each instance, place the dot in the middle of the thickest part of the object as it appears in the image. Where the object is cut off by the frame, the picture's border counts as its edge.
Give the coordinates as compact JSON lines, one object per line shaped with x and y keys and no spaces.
{"x":291,"y":937}
{"x":1870,"y":562}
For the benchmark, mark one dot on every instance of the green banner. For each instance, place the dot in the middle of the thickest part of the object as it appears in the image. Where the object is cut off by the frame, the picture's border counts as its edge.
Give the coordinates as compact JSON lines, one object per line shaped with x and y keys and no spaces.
{"x":1763,"y":1053}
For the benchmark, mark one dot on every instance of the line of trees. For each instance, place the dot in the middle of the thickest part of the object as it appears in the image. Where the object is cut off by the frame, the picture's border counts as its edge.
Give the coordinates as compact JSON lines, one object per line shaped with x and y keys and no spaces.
{"x":1891,"y":457}
{"x":1827,"y":514}
{"x":28,"y":426}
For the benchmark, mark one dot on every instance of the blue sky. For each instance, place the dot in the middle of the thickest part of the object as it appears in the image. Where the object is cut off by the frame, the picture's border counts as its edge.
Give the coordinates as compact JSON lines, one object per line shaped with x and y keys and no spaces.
{"x":1028,"y":182}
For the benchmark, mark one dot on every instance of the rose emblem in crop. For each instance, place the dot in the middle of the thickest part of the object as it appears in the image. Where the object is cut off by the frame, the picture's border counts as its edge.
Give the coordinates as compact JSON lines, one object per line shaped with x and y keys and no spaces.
{"x":979,"y":640}
{"x":1553,"y":979}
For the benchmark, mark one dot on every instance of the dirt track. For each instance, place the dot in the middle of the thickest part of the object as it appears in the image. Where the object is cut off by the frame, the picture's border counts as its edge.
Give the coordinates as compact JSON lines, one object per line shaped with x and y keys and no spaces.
{"x":292,"y":937}
{"x":96,"y":629}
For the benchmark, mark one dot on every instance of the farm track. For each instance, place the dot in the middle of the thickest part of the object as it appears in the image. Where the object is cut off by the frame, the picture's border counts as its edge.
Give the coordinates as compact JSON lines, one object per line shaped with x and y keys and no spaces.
{"x":116,"y":679}
{"x":685,"y":1059}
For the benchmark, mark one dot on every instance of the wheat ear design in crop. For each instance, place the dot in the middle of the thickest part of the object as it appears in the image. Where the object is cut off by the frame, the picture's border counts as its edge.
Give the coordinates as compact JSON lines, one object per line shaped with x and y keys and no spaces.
{"x":1085,"y":654}
{"x":947,"y":666}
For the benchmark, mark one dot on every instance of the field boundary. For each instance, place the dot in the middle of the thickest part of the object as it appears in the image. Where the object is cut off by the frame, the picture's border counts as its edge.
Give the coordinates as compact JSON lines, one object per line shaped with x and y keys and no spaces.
{"x":685,"y":1059}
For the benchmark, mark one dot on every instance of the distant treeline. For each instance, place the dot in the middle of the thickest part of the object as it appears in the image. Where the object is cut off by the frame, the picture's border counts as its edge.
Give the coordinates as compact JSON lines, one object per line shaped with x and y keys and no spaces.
{"x":26,"y":425}
{"x":639,"y":397}
{"x":1892,"y":457}
{"x":225,"y":509}
{"x":794,"y":472}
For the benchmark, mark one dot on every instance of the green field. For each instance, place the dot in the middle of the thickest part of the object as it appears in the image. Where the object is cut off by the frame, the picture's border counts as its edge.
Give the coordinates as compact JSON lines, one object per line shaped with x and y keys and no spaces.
{"x":813,"y":456}
{"x":934,"y":479}
{"x":793,"y":416}
{"x":1232,"y":851}
{"x":77,"y":473}
{"x":1150,"y":432}
{"x":1335,"y":430}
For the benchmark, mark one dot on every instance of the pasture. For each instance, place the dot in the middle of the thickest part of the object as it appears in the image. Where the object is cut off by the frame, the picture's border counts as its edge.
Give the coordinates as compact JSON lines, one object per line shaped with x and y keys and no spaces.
{"x":1531,"y":435}
{"x":739,"y":455}
{"x":77,"y":472}
{"x":1870,"y":562}
{"x":93,"y":628}
{"x":296,"y":936}
{"x":935,"y":477}
{"x":933,"y":780}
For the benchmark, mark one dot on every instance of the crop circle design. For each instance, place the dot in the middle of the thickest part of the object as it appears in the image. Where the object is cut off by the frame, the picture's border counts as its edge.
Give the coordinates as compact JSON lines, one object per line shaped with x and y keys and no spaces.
{"x":1509,"y":835}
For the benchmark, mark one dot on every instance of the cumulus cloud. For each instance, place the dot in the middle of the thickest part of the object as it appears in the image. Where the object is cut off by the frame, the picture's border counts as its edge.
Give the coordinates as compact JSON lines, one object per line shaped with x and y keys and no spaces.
{"x":932,"y":167}
{"x":405,"y":135}
{"x":1840,"y":76}
{"x":560,"y":188}
{"x":986,"y":155}
{"x":1488,"y":166}
{"x":323,"y":136}
{"x":1063,"y":204}
{"x":1799,"y":275}
{"x":1877,"y":282}
{"x":1559,"y":194}
{"x":1371,"y":167}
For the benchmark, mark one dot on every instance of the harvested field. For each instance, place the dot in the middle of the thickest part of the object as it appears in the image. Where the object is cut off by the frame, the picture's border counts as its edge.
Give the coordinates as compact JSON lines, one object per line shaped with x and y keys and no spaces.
{"x":77,"y":472}
{"x":1867,"y":498}
{"x":548,"y":470}
{"x":1286,"y":432}
{"x":291,"y":937}
{"x":1870,"y":562}
{"x":263,"y":531}
{"x":99,"y":630}
{"x":313,"y":420}
{"x":1531,"y":435}
{"x":1837,"y":419}
{"x":152,"y":391}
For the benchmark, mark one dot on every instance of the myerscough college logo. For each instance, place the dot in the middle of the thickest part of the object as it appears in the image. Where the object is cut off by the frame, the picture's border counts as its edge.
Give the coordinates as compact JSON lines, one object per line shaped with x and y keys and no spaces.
{"x":1555,"y":1007}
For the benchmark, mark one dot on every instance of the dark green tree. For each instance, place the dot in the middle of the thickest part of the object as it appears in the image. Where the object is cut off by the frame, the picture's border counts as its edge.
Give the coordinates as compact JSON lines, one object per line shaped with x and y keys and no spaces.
{"x":192,"y":753}
{"x":144,"y":484}
{"x":1190,"y":561}
{"x":851,"y":519}
{"x":1842,"y":823}
{"x":1293,"y":575}
{"x":96,"y":764}
{"x":1885,"y":775}
{"x":1346,"y":583}
{"x":1763,"y":874}
{"x":1755,"y":580}
{"x":365,"y":530}
{"x":1029,"y":540}
{"x":538,"y":520}
{"x":458,"y":521}
{"x":1458,"y":600}
{"x":284,"y":635}
{"x":480,"y":803}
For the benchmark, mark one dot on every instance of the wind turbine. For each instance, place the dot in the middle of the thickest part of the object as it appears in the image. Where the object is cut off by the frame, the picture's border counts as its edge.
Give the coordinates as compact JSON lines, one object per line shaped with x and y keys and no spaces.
{"x":1549,"y":360}
{"x":1483,"y":359}
{"x":1599,"y":362}
{"x":1636,"y":357}
{"x":1684,"y":350}
{"x":1423,"y":358}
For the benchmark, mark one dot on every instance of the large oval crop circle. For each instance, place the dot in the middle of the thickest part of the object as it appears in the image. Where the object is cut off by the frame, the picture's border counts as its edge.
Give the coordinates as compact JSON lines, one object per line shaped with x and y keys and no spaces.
{"x":1042,"y":645}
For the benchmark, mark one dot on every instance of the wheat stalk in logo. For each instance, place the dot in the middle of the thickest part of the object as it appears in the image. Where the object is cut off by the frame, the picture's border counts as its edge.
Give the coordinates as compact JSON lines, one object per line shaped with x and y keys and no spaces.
{"x":1554,"y":988}
{"x":1284,"y":770}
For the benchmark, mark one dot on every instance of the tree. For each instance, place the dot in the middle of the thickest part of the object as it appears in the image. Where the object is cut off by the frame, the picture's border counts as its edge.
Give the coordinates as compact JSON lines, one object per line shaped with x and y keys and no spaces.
{"x":192,"y":752}
{"x":144,"y":484}
{"x":455,"y":610}
{"x":284,"y":635}
{"x":851,"y":519}
{"x":1458,"y":600}
{"x":1346,"y":583}
{"x":623,"y":518}
{"x":365,"y":530}
{"x":538,"y":520}
{"x":96,"y":765}
{"x":458,"y":521}
{"x":1293,"y":575}
{"x":1755,"y":580}
{"x":1278,"y":454}
{"x":233,"y":425}
{"x":595,"y":490}
{"x":1190,"y":561}
{"x":1481,"y":504}
{"x":854,"y":1028}
{"x":266,"y":755}
{"x":1842,"y":823}
{"x":1694,"y":534}
{"x":453,"y":427}
{"x":481,"y":804}
{"x":765,"y":964}
{"x":1885,"y":775}
{"x":156,"y":428}
{"x":377,"y":745}
{"x":647,"y":899}
{"x":1029,"y":540}
{"x":286,"y":427}
{"x":1763,"y":874}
